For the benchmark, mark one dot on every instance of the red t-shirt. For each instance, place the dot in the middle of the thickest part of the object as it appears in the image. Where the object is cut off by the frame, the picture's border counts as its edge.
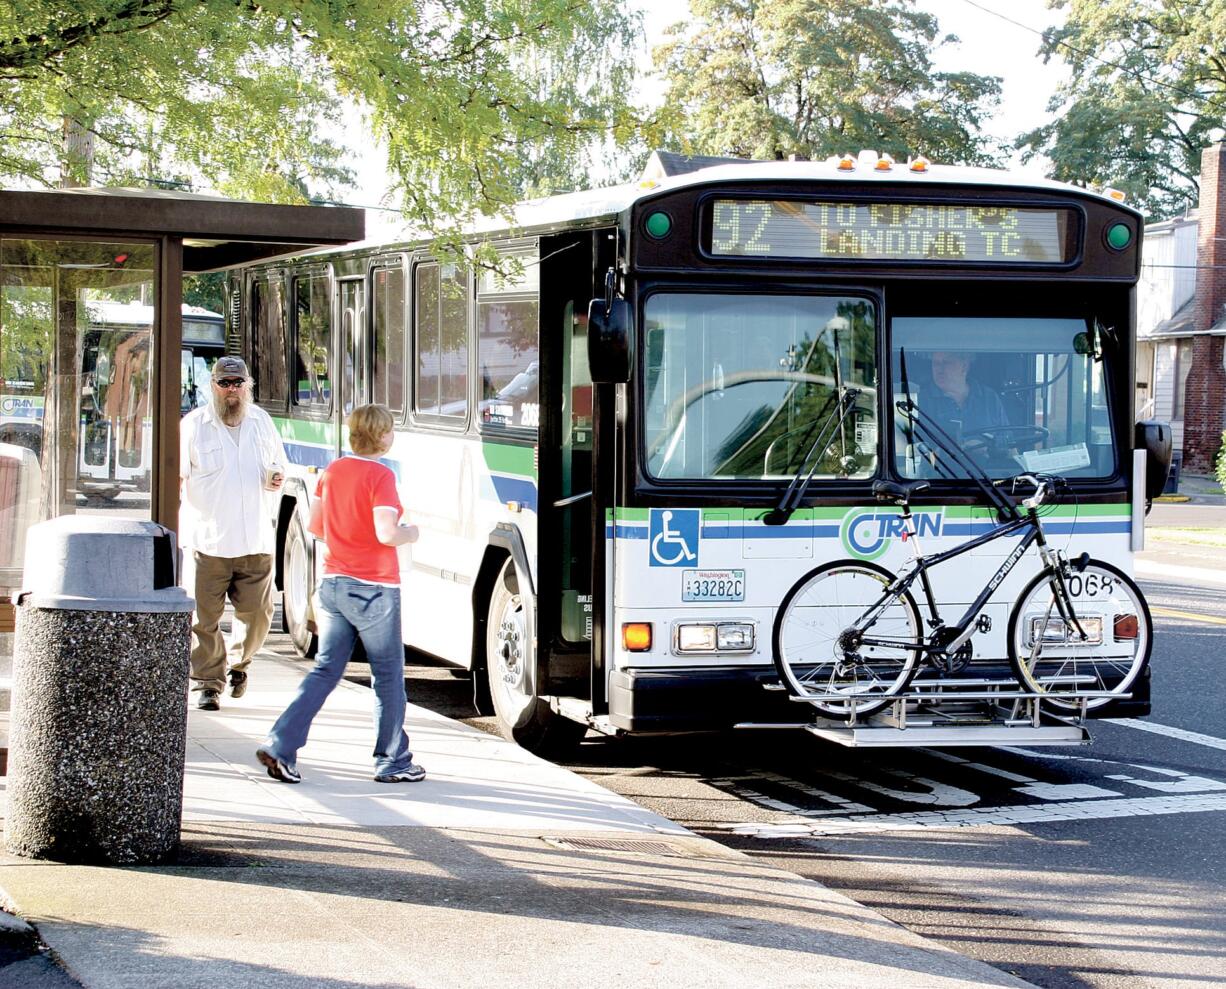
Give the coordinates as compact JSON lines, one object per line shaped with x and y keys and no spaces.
{"x":349,"y":491}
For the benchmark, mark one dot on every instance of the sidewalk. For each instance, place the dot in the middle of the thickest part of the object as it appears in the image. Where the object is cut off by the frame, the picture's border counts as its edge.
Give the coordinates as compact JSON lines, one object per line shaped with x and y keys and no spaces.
{"x":499,"y":869}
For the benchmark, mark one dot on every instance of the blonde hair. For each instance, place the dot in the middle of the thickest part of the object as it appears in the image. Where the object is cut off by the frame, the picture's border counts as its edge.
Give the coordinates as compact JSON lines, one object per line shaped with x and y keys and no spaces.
{"x":367,"y":425}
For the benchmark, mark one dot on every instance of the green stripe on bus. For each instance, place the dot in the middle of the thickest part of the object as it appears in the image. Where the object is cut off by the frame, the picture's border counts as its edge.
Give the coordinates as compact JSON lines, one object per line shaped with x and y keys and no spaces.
{"x":975,"y":512}
{"x":507,"y":458}
{"x":306,"y":431}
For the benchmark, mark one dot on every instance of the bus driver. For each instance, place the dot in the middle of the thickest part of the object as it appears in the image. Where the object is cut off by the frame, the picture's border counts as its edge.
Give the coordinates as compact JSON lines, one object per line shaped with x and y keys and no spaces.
{"x":960,"y":405}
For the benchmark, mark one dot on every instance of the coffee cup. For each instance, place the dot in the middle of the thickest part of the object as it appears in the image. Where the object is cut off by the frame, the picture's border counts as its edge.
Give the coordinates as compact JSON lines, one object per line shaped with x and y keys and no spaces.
{"x":274,"y":475}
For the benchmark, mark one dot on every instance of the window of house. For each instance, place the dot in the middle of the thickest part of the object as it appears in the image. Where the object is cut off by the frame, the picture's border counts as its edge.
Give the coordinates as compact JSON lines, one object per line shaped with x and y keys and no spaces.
{"x":1183,"y":364}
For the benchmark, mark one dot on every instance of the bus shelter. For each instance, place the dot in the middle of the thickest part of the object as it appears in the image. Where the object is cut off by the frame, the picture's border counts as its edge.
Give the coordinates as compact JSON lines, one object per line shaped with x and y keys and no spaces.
{"x":91,"y":343}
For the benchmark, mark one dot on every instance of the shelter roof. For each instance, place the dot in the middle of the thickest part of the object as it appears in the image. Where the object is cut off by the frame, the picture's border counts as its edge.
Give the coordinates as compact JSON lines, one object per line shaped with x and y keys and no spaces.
{"x":216,"y":232}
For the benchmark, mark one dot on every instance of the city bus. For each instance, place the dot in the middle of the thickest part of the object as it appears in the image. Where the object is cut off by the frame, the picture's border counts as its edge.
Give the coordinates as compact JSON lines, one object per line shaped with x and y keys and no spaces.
{"x":620,"y":448}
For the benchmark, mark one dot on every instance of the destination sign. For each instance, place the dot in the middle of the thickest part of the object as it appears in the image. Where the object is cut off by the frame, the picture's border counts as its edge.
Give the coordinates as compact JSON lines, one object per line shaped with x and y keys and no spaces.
{"x":891,"y":231}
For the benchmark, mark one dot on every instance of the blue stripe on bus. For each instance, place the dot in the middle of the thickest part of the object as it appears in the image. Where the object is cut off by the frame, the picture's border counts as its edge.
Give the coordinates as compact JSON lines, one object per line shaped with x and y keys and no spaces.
{"x":308,"y":455}
{"x":802,"y":531}
{"x":519,"y":489}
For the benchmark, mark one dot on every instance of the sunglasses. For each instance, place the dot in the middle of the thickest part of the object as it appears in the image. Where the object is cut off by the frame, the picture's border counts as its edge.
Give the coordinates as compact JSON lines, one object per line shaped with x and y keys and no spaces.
{"x":230,"y":382}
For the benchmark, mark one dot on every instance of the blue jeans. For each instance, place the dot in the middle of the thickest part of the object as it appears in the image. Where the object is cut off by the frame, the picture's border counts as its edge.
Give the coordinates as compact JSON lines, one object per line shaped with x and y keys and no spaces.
{"x":348,"y":609}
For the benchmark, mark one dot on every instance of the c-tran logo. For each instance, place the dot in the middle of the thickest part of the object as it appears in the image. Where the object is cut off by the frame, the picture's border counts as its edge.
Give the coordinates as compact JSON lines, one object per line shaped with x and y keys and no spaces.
{"x":867,"y":535}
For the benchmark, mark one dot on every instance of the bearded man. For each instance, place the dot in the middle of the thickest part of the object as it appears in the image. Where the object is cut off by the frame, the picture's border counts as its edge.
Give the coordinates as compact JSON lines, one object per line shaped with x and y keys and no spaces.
{"x":230,"y":460}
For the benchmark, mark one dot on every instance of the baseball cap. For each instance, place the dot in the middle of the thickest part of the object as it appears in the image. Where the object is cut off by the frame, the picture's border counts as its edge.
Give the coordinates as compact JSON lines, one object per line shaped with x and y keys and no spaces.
{"x":230,"y":367}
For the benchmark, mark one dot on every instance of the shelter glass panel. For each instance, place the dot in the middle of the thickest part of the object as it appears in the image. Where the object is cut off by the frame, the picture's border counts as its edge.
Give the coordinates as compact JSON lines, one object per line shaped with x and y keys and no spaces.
{"x":77,"y":332}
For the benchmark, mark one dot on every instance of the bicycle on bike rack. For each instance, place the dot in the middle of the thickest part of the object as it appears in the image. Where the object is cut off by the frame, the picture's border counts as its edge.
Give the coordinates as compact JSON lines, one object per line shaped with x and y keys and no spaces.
{"x":849,"y":639}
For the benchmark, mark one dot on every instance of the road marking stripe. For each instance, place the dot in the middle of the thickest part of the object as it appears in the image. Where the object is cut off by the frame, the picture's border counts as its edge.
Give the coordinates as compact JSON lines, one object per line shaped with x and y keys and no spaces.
{"x":1194,"y":575}
{"x":1191,"y":615}
{"x":1183,"y":735}
{"x":1080,"y":810}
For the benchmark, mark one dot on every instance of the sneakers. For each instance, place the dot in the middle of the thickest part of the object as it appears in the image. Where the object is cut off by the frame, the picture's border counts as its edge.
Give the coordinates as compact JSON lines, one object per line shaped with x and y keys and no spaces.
{"x":413,"y":773}
{"x":238,"y":683}
{"x":277,"y":769}
{"x":207,"y":701}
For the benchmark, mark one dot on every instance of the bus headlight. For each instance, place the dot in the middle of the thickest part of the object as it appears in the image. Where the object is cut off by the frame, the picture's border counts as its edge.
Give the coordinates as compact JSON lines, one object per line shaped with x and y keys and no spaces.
{"x":696,"y":638}
{"x":734,"y":637}
{"x":713,"y":637}
{"x":1051,"y":631}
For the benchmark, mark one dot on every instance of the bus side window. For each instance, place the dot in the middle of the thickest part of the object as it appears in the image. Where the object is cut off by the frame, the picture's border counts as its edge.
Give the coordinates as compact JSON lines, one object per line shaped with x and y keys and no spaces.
{"x":268,"y":341}
{"x":440,"y":385}
{"x":508,"y":355}
{"x":313,"y":386}
{"x":387,"y":322}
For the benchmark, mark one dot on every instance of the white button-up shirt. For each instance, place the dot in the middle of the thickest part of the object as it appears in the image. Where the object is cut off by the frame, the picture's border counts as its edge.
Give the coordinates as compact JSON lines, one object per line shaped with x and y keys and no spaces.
{"x":225,"y":507}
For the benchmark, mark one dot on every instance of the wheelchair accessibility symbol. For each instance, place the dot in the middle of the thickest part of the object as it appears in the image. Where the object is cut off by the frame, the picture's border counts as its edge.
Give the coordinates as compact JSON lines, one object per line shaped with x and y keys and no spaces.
{"x":674,"y":537}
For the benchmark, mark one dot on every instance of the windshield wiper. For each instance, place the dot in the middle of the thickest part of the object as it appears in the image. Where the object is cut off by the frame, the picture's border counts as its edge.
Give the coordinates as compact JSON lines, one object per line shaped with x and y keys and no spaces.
{"x":796,"y":490}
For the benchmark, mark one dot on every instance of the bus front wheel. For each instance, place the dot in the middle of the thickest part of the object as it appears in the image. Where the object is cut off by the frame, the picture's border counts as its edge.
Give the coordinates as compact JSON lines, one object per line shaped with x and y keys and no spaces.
{"x":296,"y":590}
{"x":510,"y":663}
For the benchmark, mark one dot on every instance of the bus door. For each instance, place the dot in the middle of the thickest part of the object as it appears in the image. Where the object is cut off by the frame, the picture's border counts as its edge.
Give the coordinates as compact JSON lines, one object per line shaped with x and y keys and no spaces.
{"x":354,"y":353}
{"x":567,"y":608}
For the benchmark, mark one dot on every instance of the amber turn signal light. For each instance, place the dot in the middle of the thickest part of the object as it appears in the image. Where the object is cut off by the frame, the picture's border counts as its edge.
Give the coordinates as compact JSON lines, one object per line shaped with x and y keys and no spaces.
{"x":636,"y":636}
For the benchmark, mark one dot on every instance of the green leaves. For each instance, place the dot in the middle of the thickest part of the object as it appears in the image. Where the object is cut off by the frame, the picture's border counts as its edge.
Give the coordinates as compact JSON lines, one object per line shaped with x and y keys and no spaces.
{"x":773,"y":78}
{"x":1147,"y":94}
{"x":475,"y":100}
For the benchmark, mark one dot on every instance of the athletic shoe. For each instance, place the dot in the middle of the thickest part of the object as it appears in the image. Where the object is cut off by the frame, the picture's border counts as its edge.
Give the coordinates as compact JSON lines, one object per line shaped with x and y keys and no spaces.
{"x":238,"y":683}
{"x":277,"y":769}
{"x":207,"y":701}
{"x":413,"y":773}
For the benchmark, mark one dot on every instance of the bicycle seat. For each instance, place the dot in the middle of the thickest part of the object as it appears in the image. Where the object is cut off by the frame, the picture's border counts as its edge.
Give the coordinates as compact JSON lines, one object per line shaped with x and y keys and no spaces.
{"x":900,"y":494}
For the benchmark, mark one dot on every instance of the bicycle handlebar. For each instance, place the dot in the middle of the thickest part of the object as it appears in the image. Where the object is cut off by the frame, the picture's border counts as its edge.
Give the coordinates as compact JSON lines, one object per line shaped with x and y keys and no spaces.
{"x":1043,"y":487}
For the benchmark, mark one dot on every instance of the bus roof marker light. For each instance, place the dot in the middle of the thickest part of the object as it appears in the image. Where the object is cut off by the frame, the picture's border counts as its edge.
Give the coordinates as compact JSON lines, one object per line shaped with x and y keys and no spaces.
{"x":659,"y":225}
{"x":1119,"y":236}
{"x":919,"y":164}
{"x":884,"y":163}
{"x":1118,"y":195}
{"x":847,"y":163}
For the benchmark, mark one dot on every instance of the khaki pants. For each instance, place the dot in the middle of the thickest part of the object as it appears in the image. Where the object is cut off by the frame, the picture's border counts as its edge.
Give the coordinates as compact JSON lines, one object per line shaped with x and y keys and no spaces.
{"x":247,"y":582}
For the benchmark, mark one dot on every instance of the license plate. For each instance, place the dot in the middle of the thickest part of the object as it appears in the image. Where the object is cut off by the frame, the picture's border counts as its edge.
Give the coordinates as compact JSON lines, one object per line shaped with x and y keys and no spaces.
{"x":712,"y":585}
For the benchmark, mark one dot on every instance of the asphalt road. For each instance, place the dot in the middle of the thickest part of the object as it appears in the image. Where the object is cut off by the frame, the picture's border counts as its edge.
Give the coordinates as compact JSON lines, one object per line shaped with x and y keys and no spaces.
{"x":1102,"y":865}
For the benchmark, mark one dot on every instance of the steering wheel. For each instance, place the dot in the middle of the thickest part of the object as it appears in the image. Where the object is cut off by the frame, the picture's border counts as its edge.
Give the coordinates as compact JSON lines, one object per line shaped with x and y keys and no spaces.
{"x":993,"y":437}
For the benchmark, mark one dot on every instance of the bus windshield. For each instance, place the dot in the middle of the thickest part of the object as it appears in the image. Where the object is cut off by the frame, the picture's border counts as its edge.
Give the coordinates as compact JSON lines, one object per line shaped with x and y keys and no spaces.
{"x":738,"y":386}
{"x":1011,"y":394}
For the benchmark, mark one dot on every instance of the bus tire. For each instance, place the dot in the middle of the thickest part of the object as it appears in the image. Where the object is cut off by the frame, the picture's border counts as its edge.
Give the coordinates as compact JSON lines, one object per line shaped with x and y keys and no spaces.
{"x":510,"y":663}
{"x":296,"y":590}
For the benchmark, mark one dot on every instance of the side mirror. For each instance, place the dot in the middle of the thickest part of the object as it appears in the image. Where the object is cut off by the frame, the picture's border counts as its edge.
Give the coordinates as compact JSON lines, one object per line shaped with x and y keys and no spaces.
{"x":610,"y":341}
{"x":1155,"y":439}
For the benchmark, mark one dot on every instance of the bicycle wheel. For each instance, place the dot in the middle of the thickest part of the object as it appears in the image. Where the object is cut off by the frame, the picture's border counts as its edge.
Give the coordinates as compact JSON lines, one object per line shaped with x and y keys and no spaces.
{"x":819,"y":656}
{"x":1047,"y":654}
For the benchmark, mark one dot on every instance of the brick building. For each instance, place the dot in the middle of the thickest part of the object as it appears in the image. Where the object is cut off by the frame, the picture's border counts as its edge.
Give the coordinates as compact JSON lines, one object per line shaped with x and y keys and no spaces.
{"x":1181,"y":321}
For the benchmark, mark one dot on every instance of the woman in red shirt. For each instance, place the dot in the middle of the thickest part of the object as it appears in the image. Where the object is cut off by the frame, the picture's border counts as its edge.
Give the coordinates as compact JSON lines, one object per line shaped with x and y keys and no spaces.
{"x":356,"y":513}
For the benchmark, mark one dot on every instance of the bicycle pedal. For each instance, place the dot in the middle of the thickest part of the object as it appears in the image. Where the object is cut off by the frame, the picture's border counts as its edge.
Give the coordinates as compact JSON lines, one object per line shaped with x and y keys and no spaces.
{"x":983,"y":624}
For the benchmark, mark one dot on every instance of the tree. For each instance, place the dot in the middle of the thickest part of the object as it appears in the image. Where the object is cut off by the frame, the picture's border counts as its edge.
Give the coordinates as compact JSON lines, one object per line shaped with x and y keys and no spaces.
{"x":772,"y":78}
{"x":1147,"y":93}
{"x":473,"y":98}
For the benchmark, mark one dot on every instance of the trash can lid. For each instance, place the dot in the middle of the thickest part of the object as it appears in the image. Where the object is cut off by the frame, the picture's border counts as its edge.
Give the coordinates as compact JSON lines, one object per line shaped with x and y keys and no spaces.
{"x":97,"y":563}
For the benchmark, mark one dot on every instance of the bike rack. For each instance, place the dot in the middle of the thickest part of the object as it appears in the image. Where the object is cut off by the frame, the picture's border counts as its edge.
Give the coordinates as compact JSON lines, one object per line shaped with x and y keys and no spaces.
{"x":955,"y":712}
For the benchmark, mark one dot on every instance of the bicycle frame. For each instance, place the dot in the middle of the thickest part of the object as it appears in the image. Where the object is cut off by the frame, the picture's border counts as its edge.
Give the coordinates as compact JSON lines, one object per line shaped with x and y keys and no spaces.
{"x":902,"y":583}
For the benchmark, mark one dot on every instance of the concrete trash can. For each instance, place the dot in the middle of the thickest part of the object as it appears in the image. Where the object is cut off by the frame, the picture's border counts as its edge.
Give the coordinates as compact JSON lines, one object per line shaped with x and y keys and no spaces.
{"x":98,"y":724}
